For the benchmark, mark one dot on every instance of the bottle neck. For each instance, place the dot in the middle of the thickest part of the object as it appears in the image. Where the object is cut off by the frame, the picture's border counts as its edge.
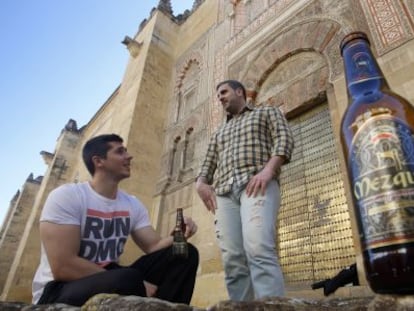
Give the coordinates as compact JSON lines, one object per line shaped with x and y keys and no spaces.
{"x":180,"y":220}
{"x":362,"y":73}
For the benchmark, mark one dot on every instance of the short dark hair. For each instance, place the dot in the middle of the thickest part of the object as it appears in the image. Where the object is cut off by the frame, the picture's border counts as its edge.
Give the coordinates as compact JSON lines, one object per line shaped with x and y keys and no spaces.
{"x":234,"y":84}
{"x":97,"y":146}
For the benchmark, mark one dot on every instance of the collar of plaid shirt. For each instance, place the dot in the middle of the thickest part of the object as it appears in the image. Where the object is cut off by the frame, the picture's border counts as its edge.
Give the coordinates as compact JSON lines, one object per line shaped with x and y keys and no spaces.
{"x":230,"y":116}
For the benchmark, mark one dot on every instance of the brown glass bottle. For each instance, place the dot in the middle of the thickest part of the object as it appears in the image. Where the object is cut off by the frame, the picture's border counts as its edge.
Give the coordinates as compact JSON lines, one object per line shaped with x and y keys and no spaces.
{"x":377,"y":135}
{"x":180,"y":246}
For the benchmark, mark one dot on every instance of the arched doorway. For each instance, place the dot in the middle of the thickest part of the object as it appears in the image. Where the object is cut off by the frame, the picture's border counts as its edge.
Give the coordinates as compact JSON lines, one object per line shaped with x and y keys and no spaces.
{"x":314,"y":229}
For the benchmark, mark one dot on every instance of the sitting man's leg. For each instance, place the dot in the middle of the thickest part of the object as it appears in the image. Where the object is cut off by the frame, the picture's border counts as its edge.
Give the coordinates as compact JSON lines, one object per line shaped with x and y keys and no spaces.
{"x":122,"y":281}
{"x":173,"y":276}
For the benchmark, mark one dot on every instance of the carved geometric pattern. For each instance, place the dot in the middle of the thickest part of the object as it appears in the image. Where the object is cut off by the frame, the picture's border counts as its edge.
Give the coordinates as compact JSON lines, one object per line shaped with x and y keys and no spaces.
{"x":316,"y":36}
{"x":321,"y":34}
{"x":298,"y":82}
{"x":220,"y":65}
{"x":268,"y":14}
{"x":390,"y":26}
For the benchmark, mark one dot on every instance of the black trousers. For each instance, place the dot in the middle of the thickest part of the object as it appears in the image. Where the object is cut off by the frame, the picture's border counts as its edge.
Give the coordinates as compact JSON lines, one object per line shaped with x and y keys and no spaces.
{"x":174,"y":277}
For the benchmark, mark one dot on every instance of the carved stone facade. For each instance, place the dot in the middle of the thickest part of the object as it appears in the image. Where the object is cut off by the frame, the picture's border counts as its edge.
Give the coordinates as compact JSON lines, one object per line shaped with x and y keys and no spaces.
{"x":286,"y":52}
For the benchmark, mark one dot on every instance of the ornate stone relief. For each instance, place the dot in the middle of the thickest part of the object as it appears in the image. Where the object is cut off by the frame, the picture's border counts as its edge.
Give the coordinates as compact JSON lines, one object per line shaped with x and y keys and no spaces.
{"x":177,"y":160}
{"x":194,"y":57}
{"x":317,"y":29}
{"x":296,"y":84}
{"x":390,"y":22}
{"x":317,"y":36}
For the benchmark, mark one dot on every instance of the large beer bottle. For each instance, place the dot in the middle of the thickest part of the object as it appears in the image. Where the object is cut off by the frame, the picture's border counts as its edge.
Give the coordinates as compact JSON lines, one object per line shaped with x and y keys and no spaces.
{"x":180,"y":246}
{"x":377,"y":134}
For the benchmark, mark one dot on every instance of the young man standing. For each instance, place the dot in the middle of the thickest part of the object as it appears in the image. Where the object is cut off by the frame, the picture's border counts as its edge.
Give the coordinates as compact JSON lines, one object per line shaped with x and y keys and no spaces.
{"x":83,"y":230}
{"x":245,"y":156}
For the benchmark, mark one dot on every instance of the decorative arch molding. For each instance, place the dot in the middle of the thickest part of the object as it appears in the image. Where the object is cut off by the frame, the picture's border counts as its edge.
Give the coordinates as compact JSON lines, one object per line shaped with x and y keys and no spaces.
{"x":321,"y":36}
{"x":186,"y":90}
{"x":193,"y":122}
{"x":299,"y":83}
{"x":194,"y":58}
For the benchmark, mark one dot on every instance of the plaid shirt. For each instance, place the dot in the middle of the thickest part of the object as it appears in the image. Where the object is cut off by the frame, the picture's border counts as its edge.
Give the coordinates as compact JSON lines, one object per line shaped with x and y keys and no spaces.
{"x":242,"y":146}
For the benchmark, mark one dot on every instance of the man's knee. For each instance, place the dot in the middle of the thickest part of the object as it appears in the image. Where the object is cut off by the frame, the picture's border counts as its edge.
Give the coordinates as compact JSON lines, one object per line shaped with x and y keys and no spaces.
{"x":128,"y":281}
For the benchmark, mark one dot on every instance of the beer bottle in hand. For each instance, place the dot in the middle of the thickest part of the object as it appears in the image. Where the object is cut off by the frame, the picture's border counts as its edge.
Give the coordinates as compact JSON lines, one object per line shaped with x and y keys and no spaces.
{"x":377,"y":135}
{"x":179,"y":247}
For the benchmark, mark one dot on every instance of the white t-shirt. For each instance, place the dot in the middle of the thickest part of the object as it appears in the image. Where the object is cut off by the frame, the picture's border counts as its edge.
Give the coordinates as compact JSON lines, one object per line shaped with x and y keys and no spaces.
{"x":104,"y":224}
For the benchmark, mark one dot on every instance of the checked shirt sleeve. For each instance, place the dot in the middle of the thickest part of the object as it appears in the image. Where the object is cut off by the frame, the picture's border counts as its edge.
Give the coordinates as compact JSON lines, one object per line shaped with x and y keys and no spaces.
{"x":209,"y":164}
{"x":281,"y":134}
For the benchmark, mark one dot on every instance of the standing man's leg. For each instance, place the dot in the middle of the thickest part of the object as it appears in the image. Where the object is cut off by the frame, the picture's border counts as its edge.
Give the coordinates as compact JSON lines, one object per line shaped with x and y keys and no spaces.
{"x":230,"y":238}
{"x":259,"y":216}
{"x":174,"y":277}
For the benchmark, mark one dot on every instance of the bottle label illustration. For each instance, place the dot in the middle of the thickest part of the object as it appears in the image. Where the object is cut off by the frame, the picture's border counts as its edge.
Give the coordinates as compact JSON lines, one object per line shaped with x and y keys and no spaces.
{"x":381,"y":164}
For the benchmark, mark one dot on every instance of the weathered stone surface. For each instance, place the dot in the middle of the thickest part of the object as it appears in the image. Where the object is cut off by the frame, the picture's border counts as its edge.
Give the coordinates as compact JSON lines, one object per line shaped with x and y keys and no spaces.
{"x":123,"y":303}
{"x":394,"y":303}
{"x":295,"y":304}
{"x":104,"y":302}
{"x":18,"y":306}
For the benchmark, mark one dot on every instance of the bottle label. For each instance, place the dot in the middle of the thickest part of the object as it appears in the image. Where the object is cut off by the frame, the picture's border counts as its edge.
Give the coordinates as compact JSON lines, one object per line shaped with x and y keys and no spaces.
{"x":381,"y":163}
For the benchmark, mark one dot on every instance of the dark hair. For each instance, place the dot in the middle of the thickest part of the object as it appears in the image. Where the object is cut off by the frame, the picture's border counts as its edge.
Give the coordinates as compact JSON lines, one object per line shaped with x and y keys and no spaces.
{"x":97,"y":146}
{"x":234,"y":84}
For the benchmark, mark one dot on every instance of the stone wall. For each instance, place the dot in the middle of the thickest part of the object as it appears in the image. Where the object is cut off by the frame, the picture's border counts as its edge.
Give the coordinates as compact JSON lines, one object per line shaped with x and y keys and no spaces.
{"x":15,"y":223}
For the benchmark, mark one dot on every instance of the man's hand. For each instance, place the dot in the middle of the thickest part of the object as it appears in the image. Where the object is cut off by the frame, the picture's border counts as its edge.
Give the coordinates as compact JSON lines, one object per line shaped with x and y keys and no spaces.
{"x":190,"y":227}
{"x":207,"y":195}
{"x":258,"y":183}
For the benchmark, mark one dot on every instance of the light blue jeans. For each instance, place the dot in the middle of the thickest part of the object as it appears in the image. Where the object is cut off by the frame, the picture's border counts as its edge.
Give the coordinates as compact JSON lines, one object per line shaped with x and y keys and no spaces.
{"x":246,"y":233}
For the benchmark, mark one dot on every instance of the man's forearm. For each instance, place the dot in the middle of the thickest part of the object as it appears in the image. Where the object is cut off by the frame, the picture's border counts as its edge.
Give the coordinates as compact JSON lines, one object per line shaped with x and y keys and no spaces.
{"x":274,"y":164}
{"x":163,"y":243}
{"x":75,"y":268}
{"x":202,"y":179}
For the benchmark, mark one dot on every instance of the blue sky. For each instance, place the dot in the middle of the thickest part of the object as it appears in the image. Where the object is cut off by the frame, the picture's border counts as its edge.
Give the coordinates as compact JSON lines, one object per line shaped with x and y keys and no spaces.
{"x":59,"y":60}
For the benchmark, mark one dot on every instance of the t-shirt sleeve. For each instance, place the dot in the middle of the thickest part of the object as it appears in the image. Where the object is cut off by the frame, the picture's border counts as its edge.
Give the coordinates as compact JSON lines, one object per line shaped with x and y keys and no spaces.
{"x":140,"y":216}
{"x":62,"y":206}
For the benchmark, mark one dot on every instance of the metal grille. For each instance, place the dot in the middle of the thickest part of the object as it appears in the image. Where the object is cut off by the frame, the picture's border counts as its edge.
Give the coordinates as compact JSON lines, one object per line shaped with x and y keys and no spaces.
{"x":314,"y":230}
